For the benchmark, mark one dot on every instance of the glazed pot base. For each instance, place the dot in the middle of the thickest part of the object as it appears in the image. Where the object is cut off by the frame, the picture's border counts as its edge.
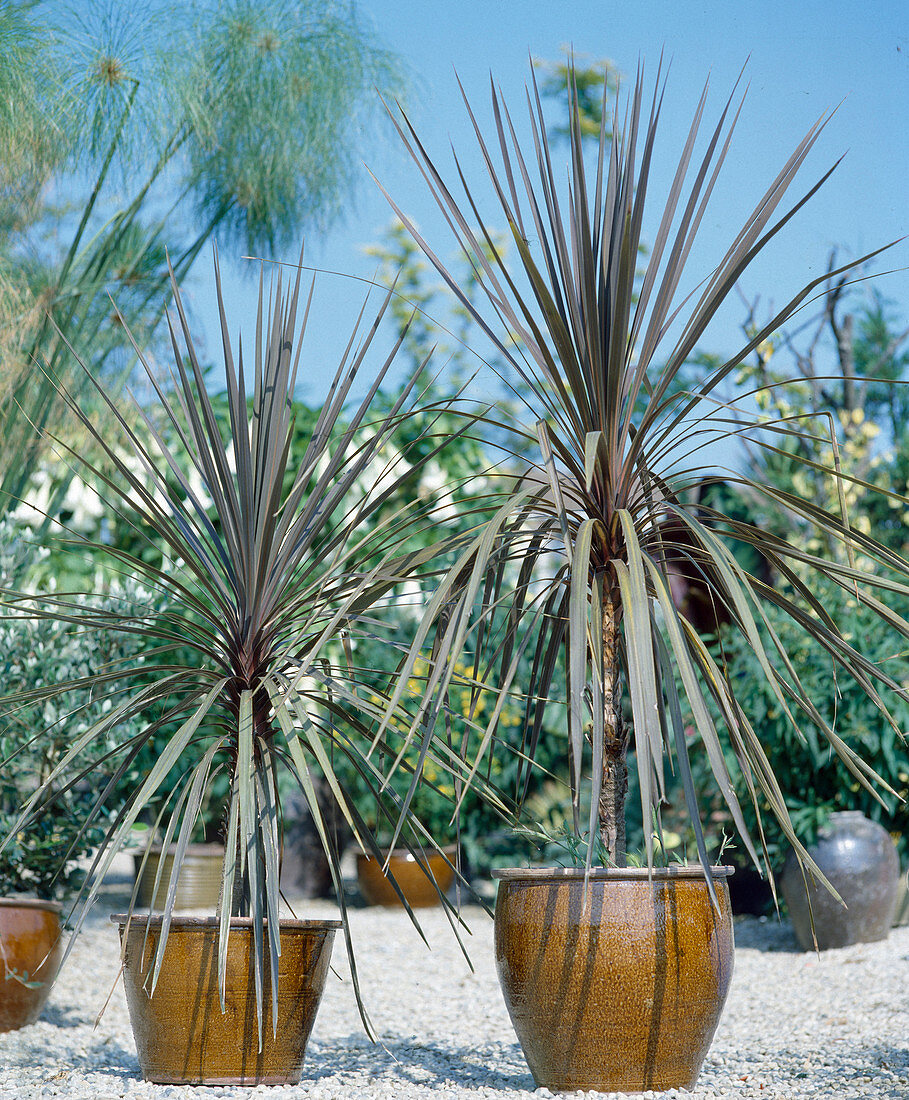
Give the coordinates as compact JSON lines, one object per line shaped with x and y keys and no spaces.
{"x":619,"y":986}
{"x":182,"y":1036}
{"x":243,"y":1082}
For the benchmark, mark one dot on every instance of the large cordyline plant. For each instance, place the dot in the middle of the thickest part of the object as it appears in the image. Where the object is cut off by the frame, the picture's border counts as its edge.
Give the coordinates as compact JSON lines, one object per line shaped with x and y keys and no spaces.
{"x":597,"y":523}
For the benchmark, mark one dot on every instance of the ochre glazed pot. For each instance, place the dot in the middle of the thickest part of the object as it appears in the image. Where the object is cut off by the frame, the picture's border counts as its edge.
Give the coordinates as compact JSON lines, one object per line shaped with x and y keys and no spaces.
{"x":616,"y":986}
{"x":181,"y":1035}
{"x":30,"y":949}
{"x":199,"y":884}
{"x":415,"y":879}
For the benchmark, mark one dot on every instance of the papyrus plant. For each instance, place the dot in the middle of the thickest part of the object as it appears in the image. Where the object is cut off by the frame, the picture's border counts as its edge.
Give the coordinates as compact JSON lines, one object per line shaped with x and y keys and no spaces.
{"x":271,"y":572}
{"x":591,"y":532}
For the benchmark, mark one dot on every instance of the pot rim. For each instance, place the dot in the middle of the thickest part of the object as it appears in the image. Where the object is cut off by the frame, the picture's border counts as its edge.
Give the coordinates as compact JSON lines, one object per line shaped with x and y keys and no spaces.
{"x":189,"y":924}
{"x":191,"y":850}
{"x":605,"y":874}
{"x":31,"y":903}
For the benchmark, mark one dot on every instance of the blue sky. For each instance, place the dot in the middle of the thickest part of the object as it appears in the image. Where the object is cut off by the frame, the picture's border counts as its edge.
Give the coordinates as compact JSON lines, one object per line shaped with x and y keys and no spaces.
{"x":801,"y":59}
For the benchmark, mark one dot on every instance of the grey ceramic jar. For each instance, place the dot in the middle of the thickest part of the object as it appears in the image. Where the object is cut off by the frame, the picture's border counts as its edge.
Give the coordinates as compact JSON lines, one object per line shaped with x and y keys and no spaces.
{"x":861,"y":862}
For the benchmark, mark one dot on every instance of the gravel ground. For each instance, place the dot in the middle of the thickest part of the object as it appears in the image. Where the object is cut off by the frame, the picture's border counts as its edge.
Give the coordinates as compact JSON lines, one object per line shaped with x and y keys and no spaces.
{"x":795,"y":1025}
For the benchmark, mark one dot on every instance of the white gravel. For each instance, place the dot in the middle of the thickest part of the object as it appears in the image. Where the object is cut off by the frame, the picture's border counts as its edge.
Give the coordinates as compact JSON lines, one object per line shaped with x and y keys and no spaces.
{"x":796,"y":1025}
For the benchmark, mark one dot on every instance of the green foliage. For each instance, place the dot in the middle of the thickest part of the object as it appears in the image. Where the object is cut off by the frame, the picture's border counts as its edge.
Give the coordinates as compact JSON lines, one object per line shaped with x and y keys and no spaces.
{"x":430,"y":319}
{"x":442,"y":806}
{"x":882,"y":359}
{"x":824,"y":388}
{"x":48,"y":857}
{"x":32,"y":127}
{"x":279,"y":95}
{"x":837,"y":381}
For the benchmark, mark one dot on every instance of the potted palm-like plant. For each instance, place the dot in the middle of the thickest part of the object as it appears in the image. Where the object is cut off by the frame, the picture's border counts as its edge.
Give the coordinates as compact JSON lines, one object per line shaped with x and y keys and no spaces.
{"x":615,"y":976}
{"x":272,"y":569}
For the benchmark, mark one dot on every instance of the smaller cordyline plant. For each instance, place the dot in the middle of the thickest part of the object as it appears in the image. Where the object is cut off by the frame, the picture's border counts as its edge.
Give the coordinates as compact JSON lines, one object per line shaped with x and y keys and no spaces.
{"x":597,"y":521}
{"x":268,"y":579}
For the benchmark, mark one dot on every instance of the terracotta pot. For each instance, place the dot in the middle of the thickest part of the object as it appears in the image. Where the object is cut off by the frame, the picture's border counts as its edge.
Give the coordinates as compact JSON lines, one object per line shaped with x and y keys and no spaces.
{"x":861,"y":862}
{"x":414,"y":878}
{"x":30,"y":949}
{"x":181,"y":1035}
{"x":199,"y":885}
{"x":616,"y":986}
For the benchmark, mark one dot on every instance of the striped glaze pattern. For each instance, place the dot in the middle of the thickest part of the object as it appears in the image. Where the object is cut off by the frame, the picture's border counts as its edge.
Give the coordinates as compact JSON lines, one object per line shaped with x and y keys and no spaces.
{"x":616,"y":984}
{"x":182,"y":1036}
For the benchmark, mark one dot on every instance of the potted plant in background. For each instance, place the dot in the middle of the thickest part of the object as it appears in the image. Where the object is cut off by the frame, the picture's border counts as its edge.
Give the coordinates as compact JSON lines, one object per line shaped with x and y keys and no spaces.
{"x":415,"y":876}
{"x":615,"y":976}
{"x":199,"y":881}
{"x":45,"y":864}
{"x":271,"y":572}
{"x":198,"y":885}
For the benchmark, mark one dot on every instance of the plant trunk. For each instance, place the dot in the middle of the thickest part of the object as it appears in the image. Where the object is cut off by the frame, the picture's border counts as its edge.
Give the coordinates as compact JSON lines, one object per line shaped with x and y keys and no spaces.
{"x":241,"y":901}
{"x":614,"y":788}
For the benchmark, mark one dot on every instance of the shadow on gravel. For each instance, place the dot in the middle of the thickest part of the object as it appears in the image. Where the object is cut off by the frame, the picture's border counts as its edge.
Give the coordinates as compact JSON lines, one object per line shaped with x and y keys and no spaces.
{"x":110,"y":1060}
{"x":64,"y":1017}
{"x":766,"y":934}
{"x":890,"y":1066}
{"x":500,"y":1067}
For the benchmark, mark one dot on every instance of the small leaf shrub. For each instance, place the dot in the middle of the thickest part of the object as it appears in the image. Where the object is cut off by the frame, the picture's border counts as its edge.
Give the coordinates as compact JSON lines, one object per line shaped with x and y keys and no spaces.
{"x":48,"y":858}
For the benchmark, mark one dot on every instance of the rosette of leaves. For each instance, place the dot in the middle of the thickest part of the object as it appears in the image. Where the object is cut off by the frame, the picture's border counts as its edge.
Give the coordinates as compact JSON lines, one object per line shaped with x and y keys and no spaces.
{"x":594,"y":531}
{"x":270,"y":573}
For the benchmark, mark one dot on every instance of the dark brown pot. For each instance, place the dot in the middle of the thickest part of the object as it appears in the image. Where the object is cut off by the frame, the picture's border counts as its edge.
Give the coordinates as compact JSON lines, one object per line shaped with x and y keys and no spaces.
{"x":860,"y":861}
{"x":414,"y":878}
{"x":199,"y":885}
{"x":181,"y":1035}
{"x":30,"y":949}
{"x":617,"y":986}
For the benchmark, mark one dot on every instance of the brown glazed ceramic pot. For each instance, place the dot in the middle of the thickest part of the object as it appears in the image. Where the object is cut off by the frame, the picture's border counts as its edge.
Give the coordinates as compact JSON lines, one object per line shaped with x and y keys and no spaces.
{"x":182,"y":1037}
{"x":617,"y":986}
{"x":861,"y":863}
{"x":30,"y":948}
{"x":199,"y":885}
{"x":411,"y":876}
